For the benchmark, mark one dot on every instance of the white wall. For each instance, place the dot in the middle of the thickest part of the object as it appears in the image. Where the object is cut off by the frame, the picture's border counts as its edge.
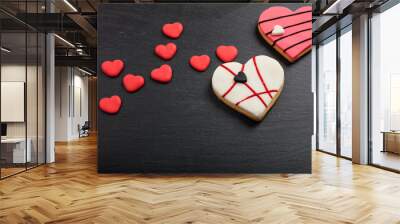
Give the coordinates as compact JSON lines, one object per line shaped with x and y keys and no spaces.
{"x":80,"y":112}
{"x":71,"y":102}
{"x":62,"y":81}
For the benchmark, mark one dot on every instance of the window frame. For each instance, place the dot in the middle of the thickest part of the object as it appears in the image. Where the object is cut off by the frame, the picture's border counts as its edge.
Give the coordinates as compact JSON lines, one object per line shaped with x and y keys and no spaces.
{"x":335,"y":36}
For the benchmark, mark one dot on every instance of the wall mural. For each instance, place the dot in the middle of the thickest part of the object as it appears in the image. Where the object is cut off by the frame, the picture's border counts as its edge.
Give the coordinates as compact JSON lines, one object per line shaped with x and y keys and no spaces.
{"x":188,"y":131}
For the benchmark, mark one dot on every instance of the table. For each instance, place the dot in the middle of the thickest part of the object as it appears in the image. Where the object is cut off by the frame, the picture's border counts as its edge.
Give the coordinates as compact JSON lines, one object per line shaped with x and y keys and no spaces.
{"x":391,"y":141}
{"x":19,"y":154}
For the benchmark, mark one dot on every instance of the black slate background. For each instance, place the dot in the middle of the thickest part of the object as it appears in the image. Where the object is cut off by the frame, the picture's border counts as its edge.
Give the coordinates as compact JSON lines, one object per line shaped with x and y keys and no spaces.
{"x":182,"y":127}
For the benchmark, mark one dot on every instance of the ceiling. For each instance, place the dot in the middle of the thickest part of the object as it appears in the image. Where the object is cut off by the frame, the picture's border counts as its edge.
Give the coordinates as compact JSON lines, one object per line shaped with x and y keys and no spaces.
{"x":75,"y":22}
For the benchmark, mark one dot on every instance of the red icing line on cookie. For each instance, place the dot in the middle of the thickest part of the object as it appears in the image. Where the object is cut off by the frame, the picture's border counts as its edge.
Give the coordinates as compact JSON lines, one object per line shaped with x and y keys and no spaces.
{"x":255,"y":94}
{"x":251,"y":96}
{"x":233,"y":85}
{"x":298,"y":29}
{"x":247,"y":85}
{"x":260,"y":77}
{"x":229,"y":90}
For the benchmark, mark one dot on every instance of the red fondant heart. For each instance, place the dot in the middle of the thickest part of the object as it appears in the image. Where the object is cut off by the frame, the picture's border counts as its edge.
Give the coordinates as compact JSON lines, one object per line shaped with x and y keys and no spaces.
{"x":200,"y":63}
{"x":166,"y":51}
{"x":172,"y":30}
{"x":296,"y":39}
{"x":162,"y":74}
{"x":226,"y":53}
{"x":112,"y":68}
{"x":110,"y":105}
{"x":133,"y":83}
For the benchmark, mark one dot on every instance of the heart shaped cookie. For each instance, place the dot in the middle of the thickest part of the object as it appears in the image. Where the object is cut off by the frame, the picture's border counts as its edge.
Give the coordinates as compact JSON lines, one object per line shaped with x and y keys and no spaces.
{"x":166,"y":51}
{"x":110,"y":105}
{"x":251,"y":88}
{"x":112,"y":68}
{"x":132,"y":83}
{"x":173,"y":30}
{"x":162,"y":74}
{"x":226,"y":53}
{"x":289,"y":32}
{"x":200,"y":62}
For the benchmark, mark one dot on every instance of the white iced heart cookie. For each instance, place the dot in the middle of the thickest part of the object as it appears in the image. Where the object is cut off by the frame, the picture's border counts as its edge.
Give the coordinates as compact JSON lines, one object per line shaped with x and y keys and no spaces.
{"x":251,"y":88}
{"x":277,"y":31}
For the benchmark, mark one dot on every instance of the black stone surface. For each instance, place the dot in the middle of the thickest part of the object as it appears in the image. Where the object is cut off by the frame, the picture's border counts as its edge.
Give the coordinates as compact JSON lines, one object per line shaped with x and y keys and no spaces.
{"x":182,"y":127}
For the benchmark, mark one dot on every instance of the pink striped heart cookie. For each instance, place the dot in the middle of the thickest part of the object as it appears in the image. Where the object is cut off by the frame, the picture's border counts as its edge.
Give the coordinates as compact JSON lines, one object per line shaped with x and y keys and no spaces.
{"x":289,"y":32}
{"x":251,"y":88}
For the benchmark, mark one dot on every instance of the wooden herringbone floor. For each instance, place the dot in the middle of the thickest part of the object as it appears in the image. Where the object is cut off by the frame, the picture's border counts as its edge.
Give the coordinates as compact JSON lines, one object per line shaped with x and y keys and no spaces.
{"x":71,"y":191}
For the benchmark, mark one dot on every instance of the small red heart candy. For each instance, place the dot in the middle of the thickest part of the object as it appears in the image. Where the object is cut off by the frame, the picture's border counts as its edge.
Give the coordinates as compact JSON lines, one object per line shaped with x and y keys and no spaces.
{"x":166,"y":51}
{"x":110,"y":105}
{"x":226,"y":53}
{"x":133,"y":83}
{"x":200,"y":63}
{"x":173,"y":30}
{"x":112,"y":68}
{"x":162,"y":74}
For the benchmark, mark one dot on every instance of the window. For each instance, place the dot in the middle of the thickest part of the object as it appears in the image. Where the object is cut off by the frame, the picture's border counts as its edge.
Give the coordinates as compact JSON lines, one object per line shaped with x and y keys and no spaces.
{"x":333,"y":137}
{"x":346,"y":93}
{"x":22,"y":66}
{"x":385,"y":90}
{"x":327,"y":96}
{"x":394,"y":102}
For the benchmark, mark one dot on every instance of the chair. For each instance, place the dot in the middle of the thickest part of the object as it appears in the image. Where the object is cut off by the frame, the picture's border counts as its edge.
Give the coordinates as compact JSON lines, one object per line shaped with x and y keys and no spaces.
{"x":84,"y":130}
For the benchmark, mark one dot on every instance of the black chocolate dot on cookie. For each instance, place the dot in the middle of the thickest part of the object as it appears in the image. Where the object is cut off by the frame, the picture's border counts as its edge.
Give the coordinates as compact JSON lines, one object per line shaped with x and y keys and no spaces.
{"x":240,"y":77}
